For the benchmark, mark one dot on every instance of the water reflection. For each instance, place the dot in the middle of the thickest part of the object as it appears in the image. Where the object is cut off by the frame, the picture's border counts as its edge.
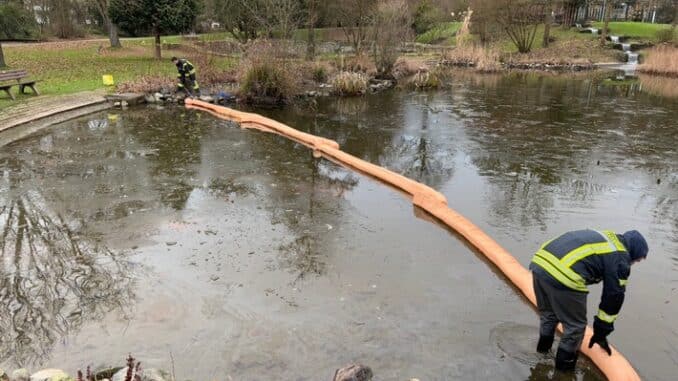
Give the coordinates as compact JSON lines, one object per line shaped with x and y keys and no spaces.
{"x":54,"y":275}
{"x":307,"y":197}
{"x":659,"y":86}
{"x":421,"y":151}
{"x":176,"y":148}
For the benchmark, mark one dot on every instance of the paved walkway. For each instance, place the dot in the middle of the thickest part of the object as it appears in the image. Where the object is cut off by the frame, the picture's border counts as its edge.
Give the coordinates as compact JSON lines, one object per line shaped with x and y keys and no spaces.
{"x":43,"y":106}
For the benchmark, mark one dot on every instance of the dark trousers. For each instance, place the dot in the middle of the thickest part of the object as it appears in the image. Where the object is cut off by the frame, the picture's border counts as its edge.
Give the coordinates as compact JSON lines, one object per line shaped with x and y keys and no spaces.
{"x":189,"y":84}
{"x":564,"y":306}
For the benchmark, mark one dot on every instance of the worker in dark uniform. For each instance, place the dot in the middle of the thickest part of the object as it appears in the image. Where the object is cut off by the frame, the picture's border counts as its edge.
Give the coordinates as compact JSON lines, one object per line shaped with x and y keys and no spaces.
{"x":186,"y":75}
{"x":563,"y":267}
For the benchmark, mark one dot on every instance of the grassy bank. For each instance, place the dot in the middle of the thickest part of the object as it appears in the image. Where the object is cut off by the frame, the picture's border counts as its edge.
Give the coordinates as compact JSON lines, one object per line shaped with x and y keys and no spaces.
{"x":73,"y":66}
{"x":442,"y":33}
{"x":638,"y":30}
{"x":567,"y":45}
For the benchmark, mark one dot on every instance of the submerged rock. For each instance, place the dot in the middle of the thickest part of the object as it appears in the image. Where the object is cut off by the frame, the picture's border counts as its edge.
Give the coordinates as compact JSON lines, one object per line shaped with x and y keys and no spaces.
{"x":355,"y":372}
{"x":50,"y":375}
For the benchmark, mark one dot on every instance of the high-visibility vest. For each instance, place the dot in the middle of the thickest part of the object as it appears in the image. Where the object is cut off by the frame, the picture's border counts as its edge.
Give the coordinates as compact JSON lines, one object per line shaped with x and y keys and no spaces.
{"x":558,"y":256}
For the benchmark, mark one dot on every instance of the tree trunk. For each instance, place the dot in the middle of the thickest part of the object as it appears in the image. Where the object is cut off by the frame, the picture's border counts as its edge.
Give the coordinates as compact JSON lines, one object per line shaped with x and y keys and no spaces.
{"x":607,"y":10}
{"x":113,"y":35}
{"x":2,"y":57}
{"x":547,"y":26}
{"x":568,"y":15}
{"x":310,"y":47}
{"x":158,"y":54}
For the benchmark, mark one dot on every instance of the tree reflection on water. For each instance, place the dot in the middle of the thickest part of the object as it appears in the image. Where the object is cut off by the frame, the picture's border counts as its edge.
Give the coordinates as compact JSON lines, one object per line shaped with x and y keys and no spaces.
{"x":53,"y":276}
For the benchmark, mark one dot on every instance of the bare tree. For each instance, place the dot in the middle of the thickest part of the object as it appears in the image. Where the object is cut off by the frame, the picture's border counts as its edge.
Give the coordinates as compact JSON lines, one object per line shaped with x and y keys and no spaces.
{"x":548,"y":19}
{"x":246,"y":19}
{"x":483,"y":21}
{"x":312,"y":18}
{"x":239,"y":18}
{"x":391,"y":28}
{"x":520,"y":19}
{"x":102,"y":7}
{"x":283,"y":16}
{"x":355,"y":17}
{"x":607,"y":10}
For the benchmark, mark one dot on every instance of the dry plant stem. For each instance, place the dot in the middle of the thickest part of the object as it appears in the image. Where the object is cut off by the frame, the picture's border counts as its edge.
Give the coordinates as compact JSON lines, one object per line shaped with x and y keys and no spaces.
{"x":661,"y":60}
{"x":174,"y":375}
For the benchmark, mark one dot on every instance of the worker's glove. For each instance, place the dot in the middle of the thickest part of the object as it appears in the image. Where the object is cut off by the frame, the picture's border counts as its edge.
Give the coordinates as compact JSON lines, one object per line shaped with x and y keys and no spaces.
{"x":600,"y":340}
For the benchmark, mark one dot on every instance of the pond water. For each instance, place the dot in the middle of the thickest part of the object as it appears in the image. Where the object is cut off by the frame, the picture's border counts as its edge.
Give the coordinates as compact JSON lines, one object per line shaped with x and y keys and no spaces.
{"x":173,"y":235}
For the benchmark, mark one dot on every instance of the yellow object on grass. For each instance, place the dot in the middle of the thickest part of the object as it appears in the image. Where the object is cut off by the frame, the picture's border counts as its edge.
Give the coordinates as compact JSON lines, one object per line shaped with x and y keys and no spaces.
{"x":108,"y":80}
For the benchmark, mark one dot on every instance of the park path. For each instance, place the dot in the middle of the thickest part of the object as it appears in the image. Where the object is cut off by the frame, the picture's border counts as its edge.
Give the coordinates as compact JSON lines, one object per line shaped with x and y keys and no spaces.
{"x":44,"y":106}
{"x":65,"y":43}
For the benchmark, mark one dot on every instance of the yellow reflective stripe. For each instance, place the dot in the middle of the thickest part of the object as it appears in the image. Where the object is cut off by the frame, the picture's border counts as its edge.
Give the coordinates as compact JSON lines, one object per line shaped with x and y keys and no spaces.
{"x":584,"y":251}
{"x":546,"y":244}
{"x":604,"y":316}
{"x":612,"y":238}
{"x":623,"y":282}
{"x":610,"y":245}
{"x":192,"y":71}
{"x":555,"y":268}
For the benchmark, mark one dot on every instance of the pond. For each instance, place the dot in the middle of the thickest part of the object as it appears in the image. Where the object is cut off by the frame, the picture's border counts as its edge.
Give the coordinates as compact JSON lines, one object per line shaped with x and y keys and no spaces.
{"x":232,"y":253}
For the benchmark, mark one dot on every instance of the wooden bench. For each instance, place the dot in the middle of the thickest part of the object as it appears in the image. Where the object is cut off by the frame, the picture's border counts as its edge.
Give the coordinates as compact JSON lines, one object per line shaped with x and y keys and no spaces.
{"x":18,"y":76}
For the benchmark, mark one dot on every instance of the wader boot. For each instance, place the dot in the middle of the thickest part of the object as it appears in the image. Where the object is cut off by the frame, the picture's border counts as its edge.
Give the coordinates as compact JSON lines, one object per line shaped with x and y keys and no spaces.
{"x":544,"y":344}
{"x":566,"y":361}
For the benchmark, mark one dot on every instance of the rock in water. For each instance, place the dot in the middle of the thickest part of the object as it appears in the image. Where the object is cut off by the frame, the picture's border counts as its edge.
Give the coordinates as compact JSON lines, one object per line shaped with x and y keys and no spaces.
{"x":50,"y":375}
{"x":355,"y":372}
{"x":3,"y":375}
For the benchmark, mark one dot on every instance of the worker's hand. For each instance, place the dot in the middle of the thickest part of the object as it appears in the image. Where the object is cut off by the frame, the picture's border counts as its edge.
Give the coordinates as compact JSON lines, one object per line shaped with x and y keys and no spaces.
{"x":602,"y":341}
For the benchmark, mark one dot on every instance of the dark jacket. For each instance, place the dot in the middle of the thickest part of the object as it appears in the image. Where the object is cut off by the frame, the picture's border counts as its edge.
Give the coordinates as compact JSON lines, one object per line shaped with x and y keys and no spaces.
{"x":593,"y":256}
{"x":185,"y":68}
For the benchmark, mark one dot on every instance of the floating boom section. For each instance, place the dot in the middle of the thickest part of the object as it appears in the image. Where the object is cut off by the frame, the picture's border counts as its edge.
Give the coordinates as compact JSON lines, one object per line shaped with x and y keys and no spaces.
{"x":614,"y":367}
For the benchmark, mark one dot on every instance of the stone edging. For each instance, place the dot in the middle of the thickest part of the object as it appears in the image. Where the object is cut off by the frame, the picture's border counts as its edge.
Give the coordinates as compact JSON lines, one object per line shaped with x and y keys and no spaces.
{"x":20,"y":128}
{"x":73,"y":108}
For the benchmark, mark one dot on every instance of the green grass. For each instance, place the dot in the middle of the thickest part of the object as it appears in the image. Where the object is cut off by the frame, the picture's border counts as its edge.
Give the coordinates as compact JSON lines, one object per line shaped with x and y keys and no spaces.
{"x":638,"y":30}
{"x":69,"y":67}
{"x":567,"y":45}
{"x":556,"y":33}
{"x":175,"y":39}
{"x":443,"y":32}
{"x":321,"y":34}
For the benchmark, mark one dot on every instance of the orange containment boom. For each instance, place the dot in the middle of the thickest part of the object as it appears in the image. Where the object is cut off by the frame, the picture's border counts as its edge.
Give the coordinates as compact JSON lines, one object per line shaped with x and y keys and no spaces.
{"x":615,"y":367}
